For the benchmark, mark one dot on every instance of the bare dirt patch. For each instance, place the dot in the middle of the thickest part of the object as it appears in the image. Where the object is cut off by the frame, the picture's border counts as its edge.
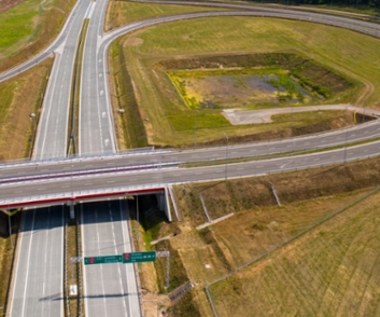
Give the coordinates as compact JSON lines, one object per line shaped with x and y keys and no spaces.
{"x":257,"y":80}
{"x":8,"y":4}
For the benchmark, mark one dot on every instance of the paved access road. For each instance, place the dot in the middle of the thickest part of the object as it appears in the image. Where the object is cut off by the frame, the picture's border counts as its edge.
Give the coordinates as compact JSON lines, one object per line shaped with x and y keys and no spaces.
{"x":37,"y":288}
{"x":109,"y":289}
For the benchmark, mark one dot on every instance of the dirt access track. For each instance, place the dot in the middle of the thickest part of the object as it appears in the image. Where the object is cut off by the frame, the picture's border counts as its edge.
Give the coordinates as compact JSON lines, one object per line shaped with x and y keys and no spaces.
{"x":238,"y":116}
{"x":7,"y":4}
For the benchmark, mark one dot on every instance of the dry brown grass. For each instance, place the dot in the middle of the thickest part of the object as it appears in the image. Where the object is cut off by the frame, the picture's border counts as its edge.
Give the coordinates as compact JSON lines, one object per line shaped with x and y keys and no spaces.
{"x":334,"y":270}
{"x":283,"y":252}
{"x":21,"y":96}
{"x":7,"y":250}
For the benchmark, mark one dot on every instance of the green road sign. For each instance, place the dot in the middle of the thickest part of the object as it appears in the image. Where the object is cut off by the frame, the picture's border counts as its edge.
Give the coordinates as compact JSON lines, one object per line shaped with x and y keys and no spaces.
{"x":103,"y":259}
{"x":135,"y":257}
{"x":131,"y":257}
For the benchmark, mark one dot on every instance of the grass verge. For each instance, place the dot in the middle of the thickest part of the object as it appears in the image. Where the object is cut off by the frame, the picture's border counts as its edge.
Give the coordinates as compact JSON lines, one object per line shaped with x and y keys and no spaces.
{"x":74,"y":304}
{"x":20,"y":106}
{"x":7,"y":254}
{"x":122,"y":12}
{"x":75,"y":93}
{"x":132,"y":133}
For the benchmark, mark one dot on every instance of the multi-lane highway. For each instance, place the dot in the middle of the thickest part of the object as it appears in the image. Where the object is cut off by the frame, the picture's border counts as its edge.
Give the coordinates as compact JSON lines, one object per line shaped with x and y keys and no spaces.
{"x":37,"y":288}
{"x":64,"y":188}
{"x":110,"y":290}
{"x":105,"y":230}
{"x":37,"y":285}
{"x":124,"y":161}
{"x":96,"y":132}
{"x":52,"y":133}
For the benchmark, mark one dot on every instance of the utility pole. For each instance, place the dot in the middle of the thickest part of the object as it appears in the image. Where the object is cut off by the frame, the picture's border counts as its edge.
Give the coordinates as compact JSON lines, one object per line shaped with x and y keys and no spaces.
{"x":226,"y":159}
{"x":137,"y":208}
{"x":10,"y":229}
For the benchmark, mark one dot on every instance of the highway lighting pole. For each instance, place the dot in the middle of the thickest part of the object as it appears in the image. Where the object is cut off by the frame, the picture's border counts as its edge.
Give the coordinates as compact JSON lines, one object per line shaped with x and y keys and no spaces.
{"x":10,"y":229}
{"x":345,"y":148}
{"x":137,"y":208}
{"x":225,"y":165}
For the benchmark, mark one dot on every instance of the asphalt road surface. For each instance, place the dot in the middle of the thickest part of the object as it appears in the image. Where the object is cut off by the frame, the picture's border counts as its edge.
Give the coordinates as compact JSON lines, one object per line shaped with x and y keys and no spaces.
{"x":67,"y":187}
{"x":24,"y":171}
{"x":51,"y":138}
{"x":37,"y":288}
{"x":96,"y":131}
{"x":110,"y":289}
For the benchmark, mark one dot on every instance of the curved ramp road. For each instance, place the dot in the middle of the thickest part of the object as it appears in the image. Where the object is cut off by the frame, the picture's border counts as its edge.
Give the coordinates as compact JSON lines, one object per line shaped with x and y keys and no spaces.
{"x":8,"y":74}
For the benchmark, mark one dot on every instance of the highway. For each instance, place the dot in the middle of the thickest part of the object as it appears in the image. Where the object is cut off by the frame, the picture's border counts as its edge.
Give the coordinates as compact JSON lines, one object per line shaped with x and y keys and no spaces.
{"x":96,"y":132}
{"x":110,"y":289}
{"x":97,"y":175}
{"x":65,"y":188}
{"x":31,"y":170}
{"x":37,"y":282}
{"x":37,"y":288}
{"x":51,"y":138}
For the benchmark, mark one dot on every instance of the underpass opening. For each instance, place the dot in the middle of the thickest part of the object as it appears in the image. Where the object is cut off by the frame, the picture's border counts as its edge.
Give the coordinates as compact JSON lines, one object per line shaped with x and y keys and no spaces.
{"x":148,"y":210}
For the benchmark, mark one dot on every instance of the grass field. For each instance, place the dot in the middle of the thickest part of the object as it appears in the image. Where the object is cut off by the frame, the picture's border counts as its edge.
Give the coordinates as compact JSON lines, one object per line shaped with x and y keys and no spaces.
{"x":166,"y":119}
{"x":332,"y":271}
{"x":124,"y":12}
{"x":28,"y":27}
{"x":315,"y":255}
{"x":19,"y":97}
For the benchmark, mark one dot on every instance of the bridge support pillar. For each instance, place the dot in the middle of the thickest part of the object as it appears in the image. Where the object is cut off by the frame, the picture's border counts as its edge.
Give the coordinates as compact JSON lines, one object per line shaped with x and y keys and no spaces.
{"x":72,"y":211}
{"x":167,"y":204}
{"x":163,"y":203}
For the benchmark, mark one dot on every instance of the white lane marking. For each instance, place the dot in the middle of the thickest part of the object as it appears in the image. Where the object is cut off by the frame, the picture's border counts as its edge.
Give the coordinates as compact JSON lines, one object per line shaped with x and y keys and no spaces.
{"x":130,"y":269}
{"x":84,"y":253}
{"x":116,"y":252}
{"x":27,"y":261}
{"x":90,"y":10}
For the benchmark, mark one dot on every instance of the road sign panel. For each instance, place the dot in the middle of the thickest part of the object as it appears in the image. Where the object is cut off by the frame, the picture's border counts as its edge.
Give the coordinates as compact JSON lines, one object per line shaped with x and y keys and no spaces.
{"x":136,"y":257}
{"x":103,"y":259}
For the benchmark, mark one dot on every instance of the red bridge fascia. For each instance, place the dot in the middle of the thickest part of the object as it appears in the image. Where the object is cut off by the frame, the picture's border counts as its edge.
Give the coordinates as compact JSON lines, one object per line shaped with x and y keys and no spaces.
{"x":76,"y":198}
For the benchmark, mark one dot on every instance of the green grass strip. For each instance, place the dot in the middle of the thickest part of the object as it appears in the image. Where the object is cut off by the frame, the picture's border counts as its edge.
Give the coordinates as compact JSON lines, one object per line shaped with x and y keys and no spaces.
{"x":75,"y":93}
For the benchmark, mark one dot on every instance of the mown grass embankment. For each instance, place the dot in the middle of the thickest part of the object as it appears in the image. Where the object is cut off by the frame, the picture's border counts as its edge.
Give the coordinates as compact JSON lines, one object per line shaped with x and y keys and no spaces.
{"x":122,"y":12}
{"x":167,"y":120}
{"x":28,"y":27}
{"x":7,"y":253}
{"x":20,"y":106}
